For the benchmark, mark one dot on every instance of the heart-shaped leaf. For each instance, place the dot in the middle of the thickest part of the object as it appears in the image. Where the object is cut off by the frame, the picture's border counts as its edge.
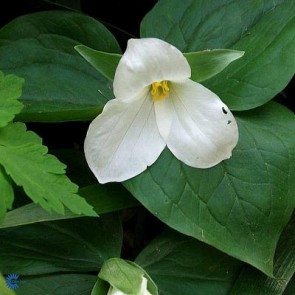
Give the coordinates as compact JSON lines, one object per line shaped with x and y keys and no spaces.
{"x":265,"y":30}
{"x":239,"y":206}
{"x":60,"y":84}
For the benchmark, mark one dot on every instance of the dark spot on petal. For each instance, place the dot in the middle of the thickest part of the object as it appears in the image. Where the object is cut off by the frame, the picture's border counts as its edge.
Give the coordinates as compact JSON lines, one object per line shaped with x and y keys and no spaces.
{"x":224,"y":110}
{"x":228,"y":122}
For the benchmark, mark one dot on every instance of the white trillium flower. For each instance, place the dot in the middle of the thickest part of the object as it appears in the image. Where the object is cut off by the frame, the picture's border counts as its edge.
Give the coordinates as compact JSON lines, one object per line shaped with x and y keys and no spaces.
{"x":157,"y":105}
{"x":143,"y":289}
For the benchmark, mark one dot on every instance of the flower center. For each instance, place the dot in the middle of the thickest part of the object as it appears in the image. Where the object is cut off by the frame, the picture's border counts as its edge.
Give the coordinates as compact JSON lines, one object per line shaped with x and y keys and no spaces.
{"x":159,"y":90}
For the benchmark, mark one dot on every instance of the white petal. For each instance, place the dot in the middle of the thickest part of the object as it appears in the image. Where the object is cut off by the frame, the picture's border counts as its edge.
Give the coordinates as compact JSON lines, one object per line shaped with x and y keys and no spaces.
{"x":203,"y":131}
{"x":143,"y":287}
{"x":123,"y":140}
{"x":145,"y":61}
{"x":114,"y":291}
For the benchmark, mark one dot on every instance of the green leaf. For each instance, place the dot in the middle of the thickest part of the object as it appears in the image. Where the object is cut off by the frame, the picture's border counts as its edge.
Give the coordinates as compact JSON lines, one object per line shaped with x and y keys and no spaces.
{"x":182,"y":265}
{"x":251,"y":282}
{"x":41,"y":175}
{"x":105,"y":63}
{"x":265,"y":30}
{"x":206,"y":64}
{"x":239,"y":206}
{"x":103,"y":198}
{"x":101,"y":287}
{"x":4,"y":289}
{"x":60,"y":84}
{"x":78,"y":245}
{"x":290,"y":290}
{"x":6,"y":193}
{"x":57,"y":284}
{"x":126,"y":276}
{"x":10,"y":91}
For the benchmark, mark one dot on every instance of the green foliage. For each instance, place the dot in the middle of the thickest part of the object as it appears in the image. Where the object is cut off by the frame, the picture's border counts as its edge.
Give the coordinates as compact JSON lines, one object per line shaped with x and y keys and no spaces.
{"x":263,"y":29}
{"x":250,"y":197}
{"x":10,"y":91}
{"x":60,"y":84}
{"x":105,"y":63}
{"x":104,"y":199}
{"x":41,"y":175}
{"x":57,"y":284}
{"x":204,"y":64}
{"x":232,"y":233}
{"x":208,"y":63}
{"x":183,"y":265}
{"x":79,"y":245}
{"x":126,"y":276}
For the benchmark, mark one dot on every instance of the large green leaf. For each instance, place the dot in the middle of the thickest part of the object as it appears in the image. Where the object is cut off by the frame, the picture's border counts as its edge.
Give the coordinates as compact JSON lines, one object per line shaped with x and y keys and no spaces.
{"x":10,"y":91}
{"x":251,"y":282}
{"x":60,"y":84}
{"x":182,"y":265}
{"x":57,"y":284}
{"x":80,"y":245}
{"x":265,"y":30}
{"x":41,"y":175}
{"x":239,"y":206}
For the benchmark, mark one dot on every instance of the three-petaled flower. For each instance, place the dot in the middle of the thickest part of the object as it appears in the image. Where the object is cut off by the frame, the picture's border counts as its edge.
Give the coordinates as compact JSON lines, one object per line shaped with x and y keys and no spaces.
{"x":157,"y":105}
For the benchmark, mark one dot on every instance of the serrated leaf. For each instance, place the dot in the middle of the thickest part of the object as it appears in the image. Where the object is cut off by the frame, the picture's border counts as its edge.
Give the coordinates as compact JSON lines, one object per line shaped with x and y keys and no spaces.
{"x":105,"y":63}
{"x":265,"y":30}
{"x":6,"y":193}
{"x":41,"y":175}
{"x":182,"y":265}
{"x":239,"y":206}
{"x":208,"y":63}
{"x":103,"y":198}
{"x":10,"y":91}
{"x":60,"y":84}
{"x":80,"y":245}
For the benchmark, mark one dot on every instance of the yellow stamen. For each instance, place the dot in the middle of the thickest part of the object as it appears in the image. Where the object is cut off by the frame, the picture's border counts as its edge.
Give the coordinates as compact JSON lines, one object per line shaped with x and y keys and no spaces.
{"x":159,"y":90}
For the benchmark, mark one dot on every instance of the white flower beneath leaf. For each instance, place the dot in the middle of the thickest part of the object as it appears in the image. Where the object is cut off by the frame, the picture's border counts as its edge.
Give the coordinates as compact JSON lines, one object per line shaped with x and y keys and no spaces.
{"x":143,"y":289}
{"x":157,"y":105}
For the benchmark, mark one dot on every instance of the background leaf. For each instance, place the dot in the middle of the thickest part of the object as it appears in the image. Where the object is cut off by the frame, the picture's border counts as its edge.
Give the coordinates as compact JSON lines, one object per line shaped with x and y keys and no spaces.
{"x":182,"y":265}
{"x":103,"y":198}
{"x":57,"y":284}
{"x":251,"y":282}
{"x":250,"y":197}
{"x":78,"y":245}
{"x":265,"y":30}
{"x":10,"y":91}
{"x":60,"y":84}
{"x":41,"y":175}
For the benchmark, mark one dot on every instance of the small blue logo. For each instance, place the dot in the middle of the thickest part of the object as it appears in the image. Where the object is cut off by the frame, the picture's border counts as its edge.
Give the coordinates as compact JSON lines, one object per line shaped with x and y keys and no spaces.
{"x":12,"y":281}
